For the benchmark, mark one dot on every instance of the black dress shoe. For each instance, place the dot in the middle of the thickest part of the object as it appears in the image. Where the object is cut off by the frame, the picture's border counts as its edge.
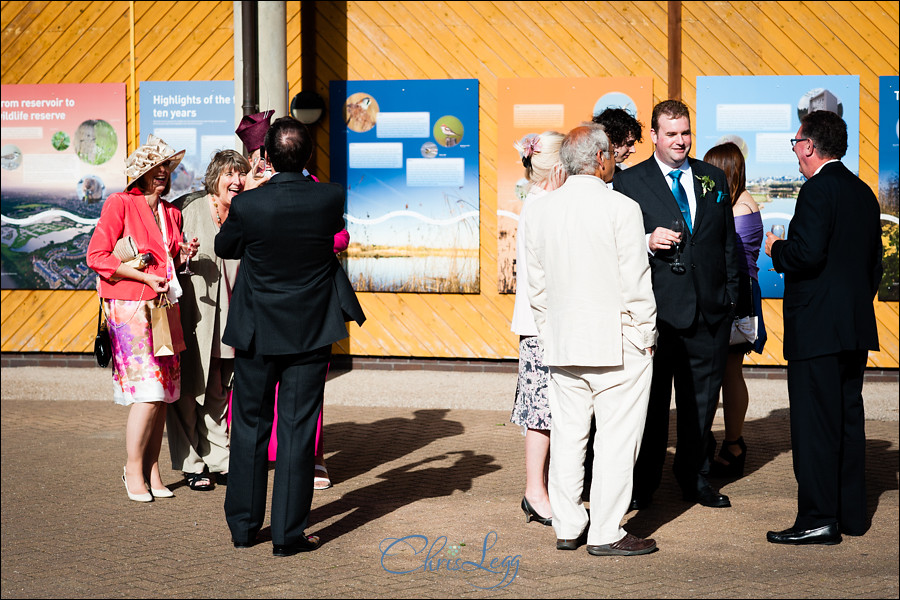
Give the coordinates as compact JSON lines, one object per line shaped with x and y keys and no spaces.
{"x":307,"y":543}
{"x":640,"y":503}
{"x":249,"y":543}
{"x":827,"y":535}
{"x":707,"y":496}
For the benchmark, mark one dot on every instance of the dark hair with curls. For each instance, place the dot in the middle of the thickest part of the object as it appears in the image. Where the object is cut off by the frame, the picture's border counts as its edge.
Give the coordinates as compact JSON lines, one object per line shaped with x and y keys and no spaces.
{"x":288,"y":145}
{"x":673,"y":109}
{"x":730,"y":159}
{"x":619,"y":125}
{"x":827,"y":131}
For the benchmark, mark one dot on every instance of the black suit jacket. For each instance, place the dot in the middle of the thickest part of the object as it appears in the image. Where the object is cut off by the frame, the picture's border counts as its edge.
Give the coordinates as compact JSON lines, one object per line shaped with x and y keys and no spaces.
{"x":710,"y":252}
{"x":291,"y":293}
{"x":832,"y":266}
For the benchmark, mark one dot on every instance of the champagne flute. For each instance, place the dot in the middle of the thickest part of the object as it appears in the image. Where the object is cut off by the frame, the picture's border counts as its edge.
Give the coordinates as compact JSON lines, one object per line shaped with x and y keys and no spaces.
{"x":186,"y":270}
{"x":778,"y":231}
{"x":677,"y":266}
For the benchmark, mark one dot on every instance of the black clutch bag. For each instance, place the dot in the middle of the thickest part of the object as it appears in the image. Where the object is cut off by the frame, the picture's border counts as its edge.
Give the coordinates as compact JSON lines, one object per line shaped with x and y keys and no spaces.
{"x":102,"y":346}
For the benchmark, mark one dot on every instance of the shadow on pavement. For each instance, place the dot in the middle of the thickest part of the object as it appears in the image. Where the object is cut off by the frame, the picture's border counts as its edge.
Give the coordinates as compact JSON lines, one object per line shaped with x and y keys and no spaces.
{"x":402,"y":486}
{"x":767,"y":438}
{"x":354,"y":449}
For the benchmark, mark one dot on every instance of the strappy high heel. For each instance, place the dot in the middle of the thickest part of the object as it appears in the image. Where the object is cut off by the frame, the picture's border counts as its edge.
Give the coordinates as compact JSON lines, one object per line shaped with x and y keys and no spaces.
{"x":735,"y":466}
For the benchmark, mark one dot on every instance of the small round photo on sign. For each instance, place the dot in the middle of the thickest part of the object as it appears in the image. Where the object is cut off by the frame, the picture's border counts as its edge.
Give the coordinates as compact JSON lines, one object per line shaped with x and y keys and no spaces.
{"x":95,"y":141}
{"x":448,"y":131}
{"x":60,"y":140}
{"x":360,"y":112}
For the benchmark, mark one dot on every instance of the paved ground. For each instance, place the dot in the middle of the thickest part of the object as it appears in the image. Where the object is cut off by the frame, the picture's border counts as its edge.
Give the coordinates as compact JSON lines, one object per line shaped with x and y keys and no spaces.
{"x":426,"y":454}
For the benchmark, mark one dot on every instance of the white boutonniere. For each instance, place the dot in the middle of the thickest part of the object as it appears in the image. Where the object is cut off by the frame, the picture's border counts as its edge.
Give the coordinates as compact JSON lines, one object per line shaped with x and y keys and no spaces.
{"x":706,"y":183}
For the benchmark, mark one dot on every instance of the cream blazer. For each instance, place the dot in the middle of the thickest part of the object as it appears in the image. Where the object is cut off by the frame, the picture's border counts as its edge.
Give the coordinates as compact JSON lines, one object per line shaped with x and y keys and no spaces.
{"x":588,"y":274}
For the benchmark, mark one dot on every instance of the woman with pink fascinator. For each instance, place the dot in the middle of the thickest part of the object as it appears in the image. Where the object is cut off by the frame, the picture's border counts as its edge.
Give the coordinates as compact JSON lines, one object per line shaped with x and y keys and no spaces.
{"x":544,"y":173}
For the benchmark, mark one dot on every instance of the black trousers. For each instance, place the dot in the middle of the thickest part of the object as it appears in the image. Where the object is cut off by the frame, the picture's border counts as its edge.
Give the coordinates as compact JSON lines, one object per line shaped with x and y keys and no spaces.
{"x":694,"y":359}
{"x":301,"y":387}
{"x":828,"y":439}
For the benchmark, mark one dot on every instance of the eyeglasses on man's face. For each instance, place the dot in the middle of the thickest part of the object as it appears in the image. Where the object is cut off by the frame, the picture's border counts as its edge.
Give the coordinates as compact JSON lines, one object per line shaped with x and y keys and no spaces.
{"x":795,"y":140}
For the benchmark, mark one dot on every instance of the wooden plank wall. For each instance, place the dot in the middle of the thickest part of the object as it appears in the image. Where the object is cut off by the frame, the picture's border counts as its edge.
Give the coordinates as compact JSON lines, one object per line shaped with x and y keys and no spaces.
{"x":69,"y":42}
{"x":800,"y":38}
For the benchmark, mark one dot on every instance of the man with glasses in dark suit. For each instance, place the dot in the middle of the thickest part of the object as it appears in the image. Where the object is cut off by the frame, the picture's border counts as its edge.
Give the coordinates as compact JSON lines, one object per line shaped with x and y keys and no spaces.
{"x":832,"y":266}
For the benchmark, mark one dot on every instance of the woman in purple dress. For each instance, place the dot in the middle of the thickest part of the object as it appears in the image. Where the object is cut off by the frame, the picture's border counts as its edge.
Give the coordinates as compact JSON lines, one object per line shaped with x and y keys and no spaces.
{"x":749,"y":229}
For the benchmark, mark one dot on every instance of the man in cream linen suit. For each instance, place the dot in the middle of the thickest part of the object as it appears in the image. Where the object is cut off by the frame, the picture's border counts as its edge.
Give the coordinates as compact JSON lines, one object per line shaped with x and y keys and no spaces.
{"x":590,"y":290}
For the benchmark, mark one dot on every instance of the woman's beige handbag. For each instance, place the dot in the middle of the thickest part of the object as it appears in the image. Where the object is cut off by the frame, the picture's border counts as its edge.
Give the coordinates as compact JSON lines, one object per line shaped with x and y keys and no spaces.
{"x":126,"y":250}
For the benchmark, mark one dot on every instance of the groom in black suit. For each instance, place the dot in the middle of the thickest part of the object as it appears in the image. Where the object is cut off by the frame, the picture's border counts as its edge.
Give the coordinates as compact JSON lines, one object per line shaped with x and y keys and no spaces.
{"x":291,"y":301}
{"x":695,"y":302}
{"x":832,"y":267}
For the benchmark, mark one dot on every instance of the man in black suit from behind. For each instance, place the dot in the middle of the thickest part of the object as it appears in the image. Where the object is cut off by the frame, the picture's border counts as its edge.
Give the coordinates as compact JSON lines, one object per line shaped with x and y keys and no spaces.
{"x":831,"y":262}
{"x":290,"y":302}
{"x":695,"y":303}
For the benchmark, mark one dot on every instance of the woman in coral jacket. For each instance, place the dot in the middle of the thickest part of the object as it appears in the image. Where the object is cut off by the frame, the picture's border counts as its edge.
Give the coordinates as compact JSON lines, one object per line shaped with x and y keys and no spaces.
{"x":141,"y":380}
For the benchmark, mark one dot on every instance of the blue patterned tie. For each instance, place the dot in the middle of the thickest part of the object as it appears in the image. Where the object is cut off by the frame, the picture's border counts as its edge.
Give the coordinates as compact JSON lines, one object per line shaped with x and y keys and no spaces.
{"x":681,"y":198}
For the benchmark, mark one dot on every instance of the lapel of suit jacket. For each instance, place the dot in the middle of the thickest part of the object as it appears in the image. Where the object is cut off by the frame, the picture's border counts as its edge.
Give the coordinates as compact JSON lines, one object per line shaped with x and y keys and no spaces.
{"x":698,"y":192}
{"x":661,"y":186}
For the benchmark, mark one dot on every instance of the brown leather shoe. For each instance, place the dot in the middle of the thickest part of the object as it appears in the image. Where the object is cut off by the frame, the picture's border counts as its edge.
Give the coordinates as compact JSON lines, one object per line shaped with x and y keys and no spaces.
{"x":573,"y":544}
{"x":568,"y":544}
{"x":630,"y":545}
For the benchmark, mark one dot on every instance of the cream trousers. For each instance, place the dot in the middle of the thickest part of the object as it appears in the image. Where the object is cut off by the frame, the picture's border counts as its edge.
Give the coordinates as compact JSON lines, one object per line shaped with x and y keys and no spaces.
{"x":617,"y":397}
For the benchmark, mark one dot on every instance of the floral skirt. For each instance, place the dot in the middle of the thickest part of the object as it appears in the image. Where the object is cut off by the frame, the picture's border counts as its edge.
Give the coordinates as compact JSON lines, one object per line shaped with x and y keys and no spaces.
{"x":138,"y":376}
{"x":532,"y":410}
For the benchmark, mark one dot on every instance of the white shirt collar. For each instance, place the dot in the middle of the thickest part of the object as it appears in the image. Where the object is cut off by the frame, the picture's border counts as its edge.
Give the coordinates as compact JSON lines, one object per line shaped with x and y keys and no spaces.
{"x":685,"y":167}
{"x":823,"y":164}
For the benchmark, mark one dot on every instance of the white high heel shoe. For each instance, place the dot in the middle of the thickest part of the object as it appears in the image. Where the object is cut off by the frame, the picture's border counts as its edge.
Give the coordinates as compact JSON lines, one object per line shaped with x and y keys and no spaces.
{"x":163,"y":493}
{"x":148,"y":497}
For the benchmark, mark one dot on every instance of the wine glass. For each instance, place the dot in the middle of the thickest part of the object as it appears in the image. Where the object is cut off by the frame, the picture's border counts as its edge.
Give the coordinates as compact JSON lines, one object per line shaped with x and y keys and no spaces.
{"x":677,"y":266}
{"x":186,"y":270}
{"x":260,"y":167}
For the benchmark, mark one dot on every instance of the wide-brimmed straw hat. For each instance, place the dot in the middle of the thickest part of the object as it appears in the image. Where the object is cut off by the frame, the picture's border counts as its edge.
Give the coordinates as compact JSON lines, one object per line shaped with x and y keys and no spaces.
{"x":154,"y":152}
{"x":253,"y":128}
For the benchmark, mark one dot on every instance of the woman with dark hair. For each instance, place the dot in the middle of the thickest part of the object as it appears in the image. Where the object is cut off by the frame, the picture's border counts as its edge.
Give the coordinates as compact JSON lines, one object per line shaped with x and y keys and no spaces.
{"x":143,"y":381}
{"x":196,"y":423}
{"x":749,"y":229}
